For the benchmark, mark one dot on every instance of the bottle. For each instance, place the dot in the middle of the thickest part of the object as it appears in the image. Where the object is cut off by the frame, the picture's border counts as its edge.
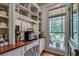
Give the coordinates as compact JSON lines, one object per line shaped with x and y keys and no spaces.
{"x":1,"y":41}
{"x":6,"y":41}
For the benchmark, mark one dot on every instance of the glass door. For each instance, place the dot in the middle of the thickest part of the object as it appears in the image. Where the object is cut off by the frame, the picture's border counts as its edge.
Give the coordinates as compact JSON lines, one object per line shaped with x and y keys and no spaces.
{"x":57,"y":28}
{"x":57,"y":32}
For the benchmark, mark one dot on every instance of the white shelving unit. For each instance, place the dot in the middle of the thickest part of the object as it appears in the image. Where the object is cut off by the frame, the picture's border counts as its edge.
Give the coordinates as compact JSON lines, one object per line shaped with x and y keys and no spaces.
{"x":23,"y":12}
{"x":29,"y":13}
{"x":4,"y":22}
{"x":25,"y":15}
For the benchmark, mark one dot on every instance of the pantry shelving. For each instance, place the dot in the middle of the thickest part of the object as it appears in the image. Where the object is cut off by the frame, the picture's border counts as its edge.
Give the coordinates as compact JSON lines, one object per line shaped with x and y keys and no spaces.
{"x":27,"y":19}
{"x":4,"y":24}
{"x":21,"y":9}
{"x":25,"y":15}
{"x":28,"y":14}
{"x":3,"y":11}
{"x":34,"y":9}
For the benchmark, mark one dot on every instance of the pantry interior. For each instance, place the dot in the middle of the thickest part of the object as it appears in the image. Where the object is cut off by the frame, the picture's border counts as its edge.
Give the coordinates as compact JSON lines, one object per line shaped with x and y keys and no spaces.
{"x":29,"y":29}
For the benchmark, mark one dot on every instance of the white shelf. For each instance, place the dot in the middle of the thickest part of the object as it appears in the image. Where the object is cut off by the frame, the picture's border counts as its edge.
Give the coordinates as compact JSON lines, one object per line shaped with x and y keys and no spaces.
{"x":27,"y":19}
{"x":25,"y":9}
{"x":22,"y":7}
{"x":33,"y":13}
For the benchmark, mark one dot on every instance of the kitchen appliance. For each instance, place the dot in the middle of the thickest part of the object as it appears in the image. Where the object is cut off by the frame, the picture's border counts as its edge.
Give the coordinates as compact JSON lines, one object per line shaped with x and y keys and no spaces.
{"x":29,"y":35}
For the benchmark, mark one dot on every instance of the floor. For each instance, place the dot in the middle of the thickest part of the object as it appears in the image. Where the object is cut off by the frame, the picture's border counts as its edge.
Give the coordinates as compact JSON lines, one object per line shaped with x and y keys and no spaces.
{"x":46,"y":53}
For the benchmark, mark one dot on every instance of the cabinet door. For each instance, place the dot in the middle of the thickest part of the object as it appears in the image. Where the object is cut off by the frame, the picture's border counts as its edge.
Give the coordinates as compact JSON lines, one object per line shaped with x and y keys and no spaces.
{"x":42,"y":45}
{"x":29,"y":46}
{"x":15,"y":52}
{"x":23,"y":51}
{"x":31,"y":49}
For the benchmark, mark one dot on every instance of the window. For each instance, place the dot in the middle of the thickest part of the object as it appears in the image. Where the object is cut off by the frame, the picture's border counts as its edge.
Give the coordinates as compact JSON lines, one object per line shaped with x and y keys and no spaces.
{"x":57,"y":29}
{"x":75,"y":20}
{"x":73,"y":41}
{"x":73,"y":25}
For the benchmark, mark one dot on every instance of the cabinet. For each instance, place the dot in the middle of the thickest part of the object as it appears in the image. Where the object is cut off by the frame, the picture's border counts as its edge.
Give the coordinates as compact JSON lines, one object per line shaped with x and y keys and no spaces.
{"x":33,"y":49}
{"x":23,"y":51}
{"x":42,"y":44}
{"x":15,"y":52}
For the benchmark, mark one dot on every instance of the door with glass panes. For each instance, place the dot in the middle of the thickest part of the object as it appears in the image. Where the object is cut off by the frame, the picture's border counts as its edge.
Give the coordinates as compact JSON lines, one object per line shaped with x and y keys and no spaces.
{"x":57,"y":28}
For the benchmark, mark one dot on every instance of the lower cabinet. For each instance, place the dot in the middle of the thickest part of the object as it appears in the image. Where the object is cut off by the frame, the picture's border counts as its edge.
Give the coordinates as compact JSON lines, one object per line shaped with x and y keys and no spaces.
{"x":15,"y":52}
{"x":42,"y":45}
{"x":33,"y":49}
{"x":23,"y":51}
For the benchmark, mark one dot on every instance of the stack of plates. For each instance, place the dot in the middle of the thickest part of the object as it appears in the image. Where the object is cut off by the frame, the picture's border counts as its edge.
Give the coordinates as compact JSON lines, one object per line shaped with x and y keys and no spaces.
{"x":3,"y":13}
{"x":3,"y":25}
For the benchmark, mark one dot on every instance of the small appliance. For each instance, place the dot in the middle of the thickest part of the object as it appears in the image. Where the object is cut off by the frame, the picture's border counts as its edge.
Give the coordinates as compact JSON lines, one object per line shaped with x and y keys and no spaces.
{"x":29,"y":35}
